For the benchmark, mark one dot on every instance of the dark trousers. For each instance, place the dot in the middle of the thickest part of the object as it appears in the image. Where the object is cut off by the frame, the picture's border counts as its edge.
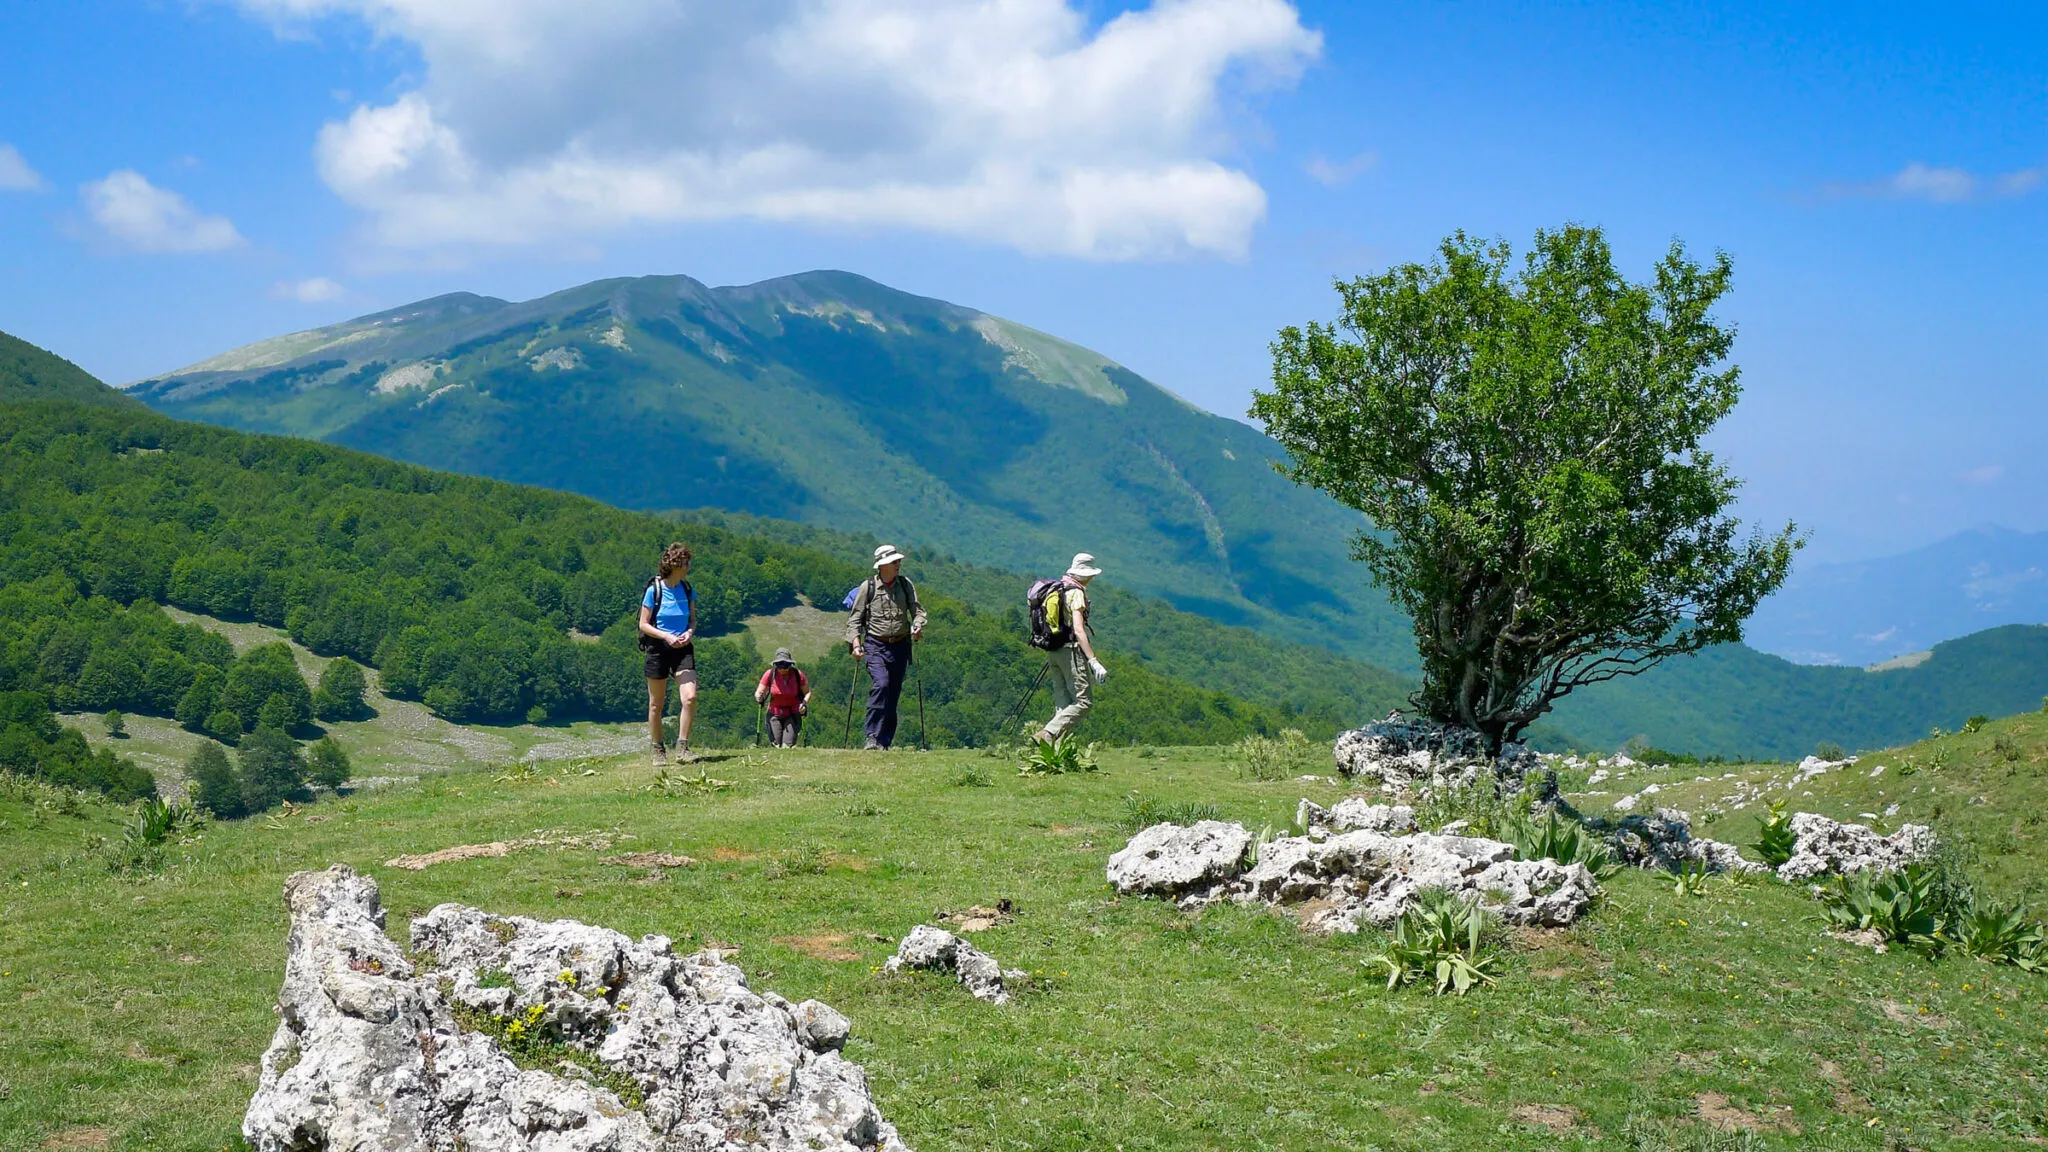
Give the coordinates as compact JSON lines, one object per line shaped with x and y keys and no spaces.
{"x":784,"y":730}
{"x":888,"y":664}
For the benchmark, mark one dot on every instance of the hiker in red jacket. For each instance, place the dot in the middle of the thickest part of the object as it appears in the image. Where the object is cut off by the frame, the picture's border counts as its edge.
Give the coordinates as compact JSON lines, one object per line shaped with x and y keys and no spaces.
{"x":787,"y":692}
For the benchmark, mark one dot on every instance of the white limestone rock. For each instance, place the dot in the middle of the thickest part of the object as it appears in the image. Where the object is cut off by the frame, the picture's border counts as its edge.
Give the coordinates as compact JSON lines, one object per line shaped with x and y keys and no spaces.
{"x":1404,"y":753}
{"x":1821,"y":846}
{"x":1171,"y":860}
{"x":370,"y":1055}
{"x":1353,"y":814}
{"x":937,"y":950}
{"x":1372,"y":877}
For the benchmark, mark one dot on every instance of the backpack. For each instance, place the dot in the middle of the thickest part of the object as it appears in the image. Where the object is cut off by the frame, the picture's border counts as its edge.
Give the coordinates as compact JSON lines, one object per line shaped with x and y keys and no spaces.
{"x":1046,"y":607}
{"x":853,"y":595}
{"x":649,"y":643}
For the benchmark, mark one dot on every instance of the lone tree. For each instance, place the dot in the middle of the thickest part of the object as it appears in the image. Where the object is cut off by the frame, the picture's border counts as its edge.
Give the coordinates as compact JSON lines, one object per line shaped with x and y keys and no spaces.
{"x":1527,"y":446}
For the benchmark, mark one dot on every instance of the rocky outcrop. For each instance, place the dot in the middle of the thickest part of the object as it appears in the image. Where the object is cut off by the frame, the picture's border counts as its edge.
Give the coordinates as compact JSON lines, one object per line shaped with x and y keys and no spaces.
{"x":937,"y":950}
{"x":1338,"y":881}
{"x":1401,"y":753}
{"x":1353,"y":814}
{"x":1821,"y":846}
{"x":371,"y":1054}
{"x":1171,"y":860}
{"x":1664,"y":839}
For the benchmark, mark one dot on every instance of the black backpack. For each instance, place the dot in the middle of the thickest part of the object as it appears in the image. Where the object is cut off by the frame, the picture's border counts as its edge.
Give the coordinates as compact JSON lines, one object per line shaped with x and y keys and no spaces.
{"x":1051,"y":627}
{"x":649,"y":643}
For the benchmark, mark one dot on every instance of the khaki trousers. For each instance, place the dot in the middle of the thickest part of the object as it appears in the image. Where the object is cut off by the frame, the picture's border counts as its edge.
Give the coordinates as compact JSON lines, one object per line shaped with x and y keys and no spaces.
{"x":1071,"y":688}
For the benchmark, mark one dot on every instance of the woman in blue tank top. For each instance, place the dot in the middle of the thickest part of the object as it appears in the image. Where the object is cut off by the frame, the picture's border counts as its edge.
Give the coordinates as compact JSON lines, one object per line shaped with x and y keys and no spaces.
{"x":668,"y":629}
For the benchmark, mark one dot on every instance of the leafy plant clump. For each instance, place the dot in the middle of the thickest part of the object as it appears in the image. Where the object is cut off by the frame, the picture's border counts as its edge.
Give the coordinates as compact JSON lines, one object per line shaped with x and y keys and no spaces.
{"x":1141,"y":812}
{"x":1482,"y":805}
{"x":1058,"y":757}
{"x":1775,"y":841}
{"x":1691,"y":878}
{"x":1898,"y":906}
{"x":1439,"y":938}
{"x":1565,"y":841}
{"x":1999,"y":933}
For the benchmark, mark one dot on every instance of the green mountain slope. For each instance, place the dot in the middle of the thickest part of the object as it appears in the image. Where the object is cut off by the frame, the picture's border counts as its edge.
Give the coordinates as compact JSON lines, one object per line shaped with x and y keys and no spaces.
{"x":30,"y":373}
{"x":1735,"y":701}
{"x":828,"y":399}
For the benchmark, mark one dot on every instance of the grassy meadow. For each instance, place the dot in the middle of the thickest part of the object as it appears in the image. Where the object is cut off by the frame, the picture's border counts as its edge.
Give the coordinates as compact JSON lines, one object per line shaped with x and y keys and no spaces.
{"x":137,"y":1004}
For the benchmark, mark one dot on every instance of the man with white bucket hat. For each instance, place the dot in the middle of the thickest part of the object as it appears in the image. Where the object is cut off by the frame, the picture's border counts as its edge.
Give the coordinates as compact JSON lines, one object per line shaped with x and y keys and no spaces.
{"x":886,"y":619}
{"x":1074,"y":668}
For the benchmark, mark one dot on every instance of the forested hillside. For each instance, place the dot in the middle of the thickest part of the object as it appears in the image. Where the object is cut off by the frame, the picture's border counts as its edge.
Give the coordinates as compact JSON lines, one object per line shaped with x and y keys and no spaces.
{"x":832,"y":400}
{"x":31,"y":373}
{"x":463,"y":592}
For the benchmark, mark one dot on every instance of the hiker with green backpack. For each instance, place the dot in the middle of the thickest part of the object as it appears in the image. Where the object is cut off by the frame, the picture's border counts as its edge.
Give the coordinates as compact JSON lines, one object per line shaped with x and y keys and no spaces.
{"x":668,"y":631}
{"x":1059,"y":625}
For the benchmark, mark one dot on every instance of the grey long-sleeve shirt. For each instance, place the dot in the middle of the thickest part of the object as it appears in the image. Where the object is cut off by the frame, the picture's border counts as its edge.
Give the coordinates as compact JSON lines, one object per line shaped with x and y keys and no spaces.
{"x":890,"y":612}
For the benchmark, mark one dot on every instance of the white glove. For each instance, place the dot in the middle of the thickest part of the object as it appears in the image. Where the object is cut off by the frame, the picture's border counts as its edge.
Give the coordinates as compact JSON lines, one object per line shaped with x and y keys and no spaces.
{"x":1096,"y":667}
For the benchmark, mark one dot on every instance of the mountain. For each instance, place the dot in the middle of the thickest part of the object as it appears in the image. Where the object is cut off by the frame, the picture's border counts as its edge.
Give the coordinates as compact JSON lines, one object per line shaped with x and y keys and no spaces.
{"x":1737,"y":702}
{"x":30,"y":373}
{"x":832,"y":400}
{"x":1900,"y":606}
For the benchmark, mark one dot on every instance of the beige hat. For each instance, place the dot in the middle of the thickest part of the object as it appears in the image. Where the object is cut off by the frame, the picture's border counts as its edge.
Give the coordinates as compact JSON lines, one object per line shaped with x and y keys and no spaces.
{"x":1083,"y":565}
{"x":887,"y":554}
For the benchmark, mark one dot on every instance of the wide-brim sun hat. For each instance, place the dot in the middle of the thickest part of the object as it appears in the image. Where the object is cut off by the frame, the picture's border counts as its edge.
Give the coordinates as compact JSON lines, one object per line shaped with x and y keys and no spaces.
{"x":1083,"y":565}
{"x":782,"y":656}
{"x":887,"y":554}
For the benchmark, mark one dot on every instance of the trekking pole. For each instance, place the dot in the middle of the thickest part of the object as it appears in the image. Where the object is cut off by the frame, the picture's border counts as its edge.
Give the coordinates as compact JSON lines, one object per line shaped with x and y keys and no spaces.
{"x":846,"y":730}
{"x":923,"y":736}
{"x":760,"y":710}
{"x":1028,"y":694}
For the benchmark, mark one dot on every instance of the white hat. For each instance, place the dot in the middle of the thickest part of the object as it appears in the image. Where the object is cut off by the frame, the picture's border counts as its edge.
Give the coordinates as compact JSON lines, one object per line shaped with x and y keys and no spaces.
{"x":1083,"y":565}
{"x":887,"y":554}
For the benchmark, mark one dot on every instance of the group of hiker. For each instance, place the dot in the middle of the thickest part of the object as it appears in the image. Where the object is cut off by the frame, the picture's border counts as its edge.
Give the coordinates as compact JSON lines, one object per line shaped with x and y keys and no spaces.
{"x":884,"y":622}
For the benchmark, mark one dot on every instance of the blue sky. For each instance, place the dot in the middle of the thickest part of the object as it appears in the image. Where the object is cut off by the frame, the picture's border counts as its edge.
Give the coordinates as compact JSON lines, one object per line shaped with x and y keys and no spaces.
{"x":179,"y":178}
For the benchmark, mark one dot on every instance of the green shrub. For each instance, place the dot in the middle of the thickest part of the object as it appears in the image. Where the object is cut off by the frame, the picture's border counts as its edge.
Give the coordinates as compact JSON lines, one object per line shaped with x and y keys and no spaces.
{"x":327,"y":763}
{"x":1565,"y":841}
{"x":1486,"y":810}
{"x":1829,"y":750}
{"x":1775,"y":841}
{"x":195,"y":709}
{"x":215,"y":788}
{"x":1058,"y":757}
{"x":225,"y":726}
{"x":1289,"y":755}
{"x":1441,"y":938}
{"x":1899,"y":906}
{"x":1976,"y":723}
{"x":1691,"y":878}
{"x":115,"y":724}
{"x":342,"y":692}
{"x":277,"y":712}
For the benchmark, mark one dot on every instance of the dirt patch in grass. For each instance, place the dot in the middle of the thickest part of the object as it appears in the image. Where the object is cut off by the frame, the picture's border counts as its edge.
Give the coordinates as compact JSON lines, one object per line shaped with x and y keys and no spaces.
{"x":72,"y":1138}
{"x":1846,"y":1099}
{"x":596,"y":841}
{"x":651,"y":860}
{"x":978,"y":918}
{"x":1717,"y":1111}
{"x":820,"y":945}
{"x":1901,"y":1014}
{"x":1555,"y":1117}
{"x":730,"y":855}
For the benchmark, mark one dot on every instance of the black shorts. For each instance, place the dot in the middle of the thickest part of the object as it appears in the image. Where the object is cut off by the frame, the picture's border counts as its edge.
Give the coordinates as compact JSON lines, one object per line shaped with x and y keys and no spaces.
{"x":664,"y":662}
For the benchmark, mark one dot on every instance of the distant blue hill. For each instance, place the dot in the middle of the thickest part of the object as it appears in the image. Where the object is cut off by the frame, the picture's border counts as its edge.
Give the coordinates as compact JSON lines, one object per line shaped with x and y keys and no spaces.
{"x":1875,"y":610}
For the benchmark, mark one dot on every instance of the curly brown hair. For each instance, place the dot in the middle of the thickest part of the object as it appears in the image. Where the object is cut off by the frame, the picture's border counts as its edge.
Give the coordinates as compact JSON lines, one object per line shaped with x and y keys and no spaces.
{"x":674,"y":556}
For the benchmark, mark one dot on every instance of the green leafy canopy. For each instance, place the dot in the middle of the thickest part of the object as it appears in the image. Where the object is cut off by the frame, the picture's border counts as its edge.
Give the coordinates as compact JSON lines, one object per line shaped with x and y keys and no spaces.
{"x":1528,"y":445}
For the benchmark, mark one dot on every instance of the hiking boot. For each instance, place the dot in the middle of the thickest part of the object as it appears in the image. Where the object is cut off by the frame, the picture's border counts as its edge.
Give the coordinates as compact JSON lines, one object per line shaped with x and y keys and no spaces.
{"x":685,"y":756}
{"x":660,"y":756}
{"x":873,"y":746}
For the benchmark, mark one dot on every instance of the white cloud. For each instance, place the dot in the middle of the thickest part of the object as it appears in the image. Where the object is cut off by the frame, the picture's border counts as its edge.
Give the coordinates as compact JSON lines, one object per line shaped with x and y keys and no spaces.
{"x":1984,"y":474}
{"x":15,"y":174}
{"x":147,"y":218}
{"x":1334,"y":173}
{"x":1008,"y":121}
{"x":317,"y":290}
{"x":1917,"y":181}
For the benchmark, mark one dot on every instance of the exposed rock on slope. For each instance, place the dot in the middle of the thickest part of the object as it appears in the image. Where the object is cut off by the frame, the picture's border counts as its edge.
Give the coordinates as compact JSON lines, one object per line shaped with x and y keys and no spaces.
{"x":937,"y":950}
{"x":1821,"y":845}
{"x":1402,"y":753}
{"x":369,"y":1054}
{"x":1340,"y":880}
